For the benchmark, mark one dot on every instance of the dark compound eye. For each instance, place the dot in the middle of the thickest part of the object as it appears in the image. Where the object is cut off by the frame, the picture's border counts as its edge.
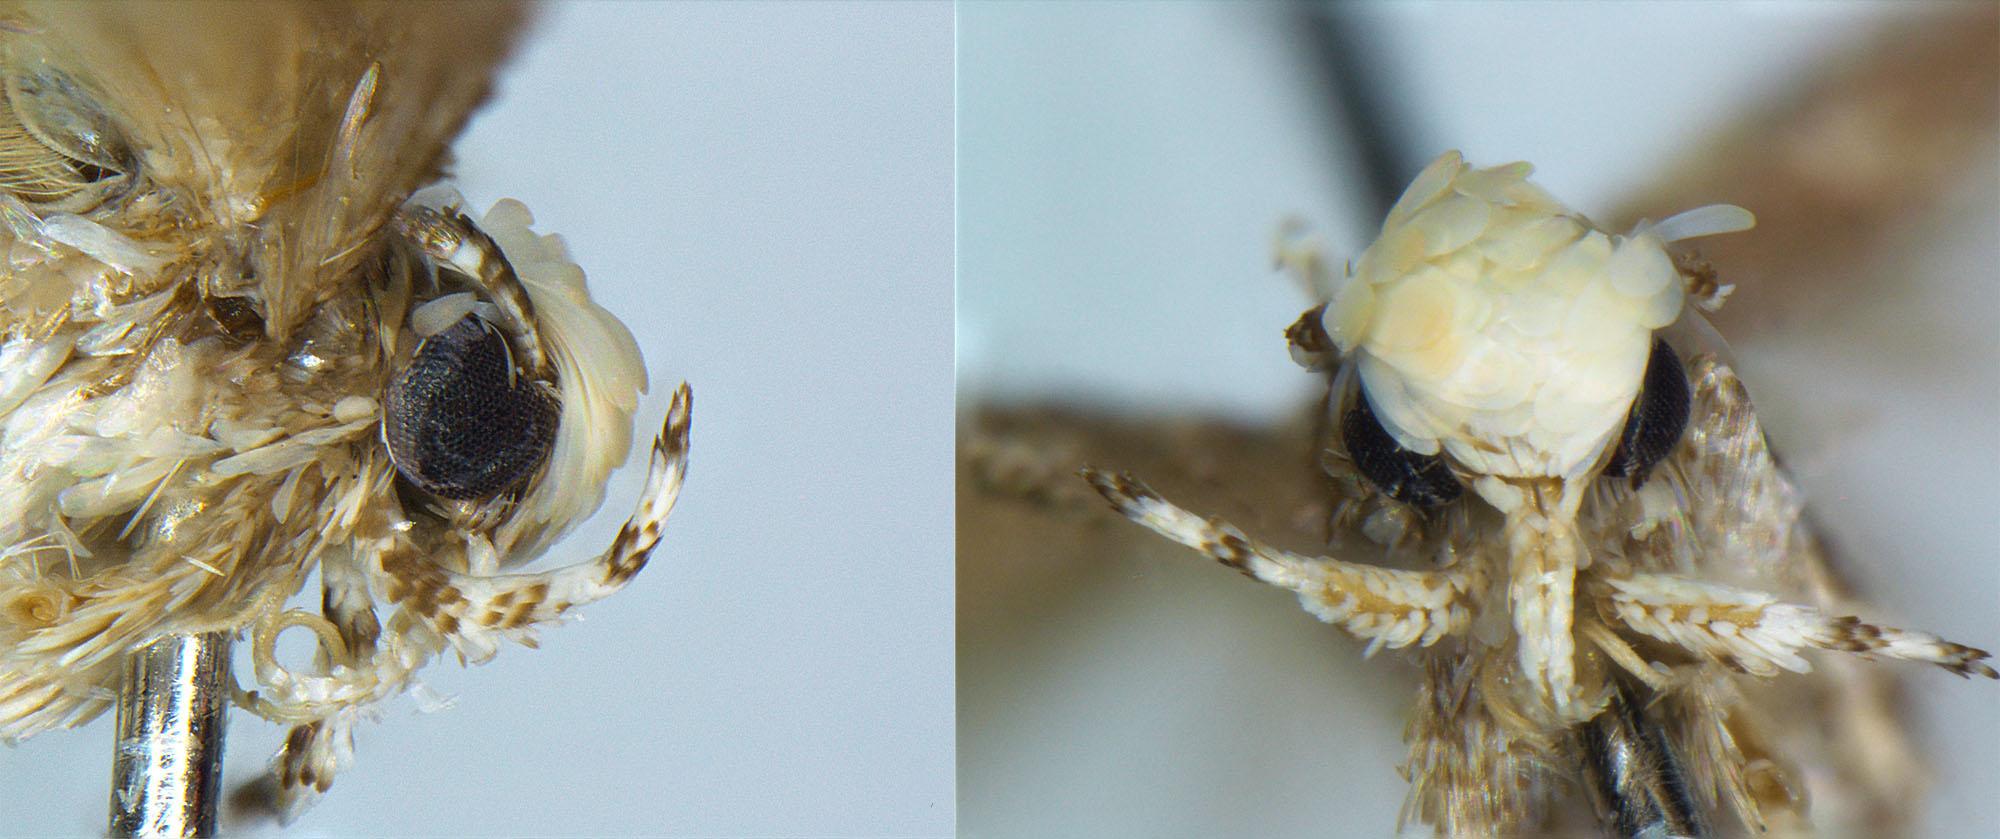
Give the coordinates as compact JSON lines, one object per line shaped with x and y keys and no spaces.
{"x":457,"y":427}
{"x":1659,"y":414}
{"x":1415,"y":479}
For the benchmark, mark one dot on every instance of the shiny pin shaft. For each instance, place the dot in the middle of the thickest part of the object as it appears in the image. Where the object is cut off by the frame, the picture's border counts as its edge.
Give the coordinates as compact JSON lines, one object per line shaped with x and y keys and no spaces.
{"x":166,"y":772}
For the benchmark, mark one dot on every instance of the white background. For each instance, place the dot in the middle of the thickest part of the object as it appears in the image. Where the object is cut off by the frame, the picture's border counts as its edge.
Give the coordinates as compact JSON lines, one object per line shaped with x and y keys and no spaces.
{"x":1121,"y":171}
{"x":763,"y":194}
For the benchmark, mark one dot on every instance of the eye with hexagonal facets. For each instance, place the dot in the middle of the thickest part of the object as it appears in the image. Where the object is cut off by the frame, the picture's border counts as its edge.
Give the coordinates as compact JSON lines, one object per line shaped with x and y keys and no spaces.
{"x":1415,"y":479}
{"x":460,"y":423}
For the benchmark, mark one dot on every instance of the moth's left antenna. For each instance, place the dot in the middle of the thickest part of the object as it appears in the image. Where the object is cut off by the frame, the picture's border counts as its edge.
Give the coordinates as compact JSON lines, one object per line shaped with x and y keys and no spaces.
{"x":166,"y":774}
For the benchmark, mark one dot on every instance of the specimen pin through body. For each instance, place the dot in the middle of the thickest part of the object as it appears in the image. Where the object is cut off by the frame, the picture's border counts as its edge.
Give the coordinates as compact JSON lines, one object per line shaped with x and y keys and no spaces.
{"x":166,"y":770}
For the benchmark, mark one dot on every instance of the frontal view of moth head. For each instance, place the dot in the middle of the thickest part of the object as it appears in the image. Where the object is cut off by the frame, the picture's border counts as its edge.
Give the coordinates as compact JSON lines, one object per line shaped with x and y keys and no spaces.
{"x":247,"y":347}
{"x":1603,"y":573}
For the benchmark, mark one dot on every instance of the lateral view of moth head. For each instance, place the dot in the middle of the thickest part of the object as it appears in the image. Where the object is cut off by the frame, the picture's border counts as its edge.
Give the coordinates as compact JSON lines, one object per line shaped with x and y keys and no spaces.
{"x":248,"y":345}
{"x":1601,"y":569}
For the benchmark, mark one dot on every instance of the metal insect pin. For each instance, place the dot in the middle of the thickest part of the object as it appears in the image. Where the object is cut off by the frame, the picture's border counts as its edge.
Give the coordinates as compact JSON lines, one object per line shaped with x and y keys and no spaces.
{"x":242,"y":343}
{"x":1628,"y":571}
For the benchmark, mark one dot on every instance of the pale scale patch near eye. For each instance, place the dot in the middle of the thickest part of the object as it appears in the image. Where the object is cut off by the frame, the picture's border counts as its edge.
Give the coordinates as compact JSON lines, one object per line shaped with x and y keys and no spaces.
{"x":438,"y":315}
{"x":1597,"y":381}
{"x":598,"y":369}
{"x":1421,"y":436}
{"x":354,"y":408}
{"x":1346,"y":320}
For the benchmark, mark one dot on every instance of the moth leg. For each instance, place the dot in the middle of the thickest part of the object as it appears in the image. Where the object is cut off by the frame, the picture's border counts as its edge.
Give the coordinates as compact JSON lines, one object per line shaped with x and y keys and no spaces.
{"x":316,"y":751}
{"x":1622,"y":654}
{"x":472,"y":610}
{"x":345,"y":603}
{"x":306,"y":764}
{"x":323,"y":707}
{"x":1758,"y":634}
{"x":365,"y":662}
{"x":1387,"y":607}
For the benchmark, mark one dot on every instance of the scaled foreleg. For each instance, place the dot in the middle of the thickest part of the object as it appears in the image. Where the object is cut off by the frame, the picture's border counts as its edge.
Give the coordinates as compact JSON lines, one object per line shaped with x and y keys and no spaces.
{"x":1387,"y":607}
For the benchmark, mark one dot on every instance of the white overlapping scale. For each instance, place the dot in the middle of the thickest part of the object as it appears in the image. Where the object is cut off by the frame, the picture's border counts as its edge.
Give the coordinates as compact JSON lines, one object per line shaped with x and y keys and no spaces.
{"x":1492,"y":184}
{"x":1451,"y":223}
{"x":1432,"y":182}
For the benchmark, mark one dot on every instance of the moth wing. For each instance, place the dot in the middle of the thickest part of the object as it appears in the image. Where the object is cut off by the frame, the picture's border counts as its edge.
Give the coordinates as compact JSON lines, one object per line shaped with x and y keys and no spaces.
{"x":1824,"y":749}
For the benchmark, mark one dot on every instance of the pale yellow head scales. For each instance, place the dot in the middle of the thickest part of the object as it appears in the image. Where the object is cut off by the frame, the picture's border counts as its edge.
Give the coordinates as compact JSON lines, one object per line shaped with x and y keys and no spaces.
{"x":1496,"y":325}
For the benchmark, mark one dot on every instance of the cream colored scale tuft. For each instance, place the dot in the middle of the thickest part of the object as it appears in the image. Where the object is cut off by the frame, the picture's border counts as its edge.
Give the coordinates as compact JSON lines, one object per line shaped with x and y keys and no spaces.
{"x":1493,"y":323}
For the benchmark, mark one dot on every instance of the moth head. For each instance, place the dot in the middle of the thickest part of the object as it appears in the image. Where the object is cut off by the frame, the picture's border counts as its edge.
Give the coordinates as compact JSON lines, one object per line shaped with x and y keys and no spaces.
{"x":240,"y":346}
{"x":509,"y":394}
{"x":1492,"y":334}
{"x":165,"y":208}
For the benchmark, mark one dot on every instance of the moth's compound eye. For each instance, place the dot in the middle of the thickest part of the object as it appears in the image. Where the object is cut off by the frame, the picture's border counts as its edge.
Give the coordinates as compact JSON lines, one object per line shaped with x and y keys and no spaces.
{"x":58,"y":149}
{"x":460,"y":424}
{"x":1415,"y":479}
{"x":1659,"y":414}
